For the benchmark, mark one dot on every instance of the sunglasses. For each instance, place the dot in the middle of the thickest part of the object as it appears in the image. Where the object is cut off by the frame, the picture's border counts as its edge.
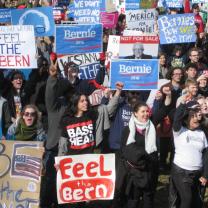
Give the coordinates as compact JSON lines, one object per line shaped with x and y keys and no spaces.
{"x":27,"y":114}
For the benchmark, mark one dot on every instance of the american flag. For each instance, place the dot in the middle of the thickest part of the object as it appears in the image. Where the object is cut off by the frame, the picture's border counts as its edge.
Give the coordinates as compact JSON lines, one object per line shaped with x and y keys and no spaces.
{"x":25,"y":165}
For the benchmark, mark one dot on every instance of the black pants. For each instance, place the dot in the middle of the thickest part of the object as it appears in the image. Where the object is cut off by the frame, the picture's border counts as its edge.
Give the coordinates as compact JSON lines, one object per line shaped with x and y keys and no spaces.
{"x":187,"y":186}
{"x":48,"y":196}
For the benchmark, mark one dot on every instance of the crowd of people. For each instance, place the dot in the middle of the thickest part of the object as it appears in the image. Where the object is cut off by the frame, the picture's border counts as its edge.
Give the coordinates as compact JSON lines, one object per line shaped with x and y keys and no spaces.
{"x":148,"y":138}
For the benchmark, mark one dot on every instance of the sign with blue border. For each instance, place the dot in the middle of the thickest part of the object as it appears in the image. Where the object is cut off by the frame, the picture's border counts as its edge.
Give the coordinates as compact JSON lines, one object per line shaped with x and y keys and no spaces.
{"x":79,"y":39}
{"x":135,"y":74}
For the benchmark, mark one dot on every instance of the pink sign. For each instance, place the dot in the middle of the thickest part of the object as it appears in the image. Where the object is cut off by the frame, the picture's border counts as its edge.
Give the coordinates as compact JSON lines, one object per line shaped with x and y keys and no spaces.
{"x":109,"y":20}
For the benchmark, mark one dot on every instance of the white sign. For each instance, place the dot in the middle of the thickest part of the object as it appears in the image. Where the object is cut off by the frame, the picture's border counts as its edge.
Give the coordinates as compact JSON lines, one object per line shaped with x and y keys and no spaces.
{"x":17,"y":47}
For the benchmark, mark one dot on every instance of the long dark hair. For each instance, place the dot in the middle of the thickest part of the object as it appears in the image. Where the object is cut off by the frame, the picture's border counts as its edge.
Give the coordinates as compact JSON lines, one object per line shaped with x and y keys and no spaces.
{"x":73,"y":104}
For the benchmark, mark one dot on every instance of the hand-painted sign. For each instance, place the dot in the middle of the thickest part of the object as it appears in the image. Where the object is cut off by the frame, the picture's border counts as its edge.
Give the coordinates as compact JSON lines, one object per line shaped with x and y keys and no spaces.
{"x":17,"y":47}
{"x":135,"y":74}
{"x":141,"y":20}
{"x":20,"y":173}
{"x":79,"y":39}
{"x":177,"y":28}
{"x":87,"y":11}
{"x":85,"y":177}
{"x":89,"y":64}
{"x":40,"y":17}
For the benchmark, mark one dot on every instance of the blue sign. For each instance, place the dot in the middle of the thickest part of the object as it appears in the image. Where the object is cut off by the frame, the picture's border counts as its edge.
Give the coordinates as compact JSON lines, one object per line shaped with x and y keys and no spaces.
{"x":5,"y":15}
{"x":79,"y":39}
{"x":40,"y":17}
{"x":132,"y":4}
{"x":135,"y":74}
{"x":87,"y":11}
{"x":102,"y":5}
{"x":177,"y":28}
{"x":170,"y":3}
{"x":71,"y":10}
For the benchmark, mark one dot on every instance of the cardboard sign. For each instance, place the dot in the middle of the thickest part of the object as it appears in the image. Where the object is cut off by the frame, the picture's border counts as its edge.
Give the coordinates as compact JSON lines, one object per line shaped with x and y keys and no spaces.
{"x":87,"y":11}
{"x":5,"y":15}
{"x":135,"y":74}
{"x":141,"y":20}
{"x":177,"y":28}
{"x":79,"y":39}
{"x":109,"y":20}
{"x":170,"y":3}
{"x":17,"y":47}
{"x":40,"y":17}
{"x":20,"y":173}
{"x":85,"y":177}
{"x":89,"y":64}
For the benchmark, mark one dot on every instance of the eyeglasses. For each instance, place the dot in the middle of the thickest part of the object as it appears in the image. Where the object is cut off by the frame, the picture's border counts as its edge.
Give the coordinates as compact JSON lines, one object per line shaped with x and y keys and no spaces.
{"x":31,"y":114}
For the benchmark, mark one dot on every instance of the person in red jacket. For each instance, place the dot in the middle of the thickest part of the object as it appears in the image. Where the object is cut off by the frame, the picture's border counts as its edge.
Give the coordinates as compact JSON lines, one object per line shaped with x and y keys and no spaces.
{"x":198,"y":19}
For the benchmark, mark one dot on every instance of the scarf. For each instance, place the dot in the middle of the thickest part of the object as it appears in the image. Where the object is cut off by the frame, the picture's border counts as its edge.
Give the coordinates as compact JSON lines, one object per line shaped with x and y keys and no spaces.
{"x":150,"y":133}
{"x":25,"y":133}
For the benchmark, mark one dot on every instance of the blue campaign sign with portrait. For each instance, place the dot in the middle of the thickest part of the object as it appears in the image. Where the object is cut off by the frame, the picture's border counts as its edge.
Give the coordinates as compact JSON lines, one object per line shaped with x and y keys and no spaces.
{"x":5,"y":15}
{"x":79,"y":39}
{"x":40,"y":17}
{"x":177,"y":28}
{"x":135,"y":74}
{"x":132,"y":4}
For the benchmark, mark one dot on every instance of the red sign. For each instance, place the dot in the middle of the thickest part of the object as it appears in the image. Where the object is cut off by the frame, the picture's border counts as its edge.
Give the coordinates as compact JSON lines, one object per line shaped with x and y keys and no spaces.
{"x":85,"y":177}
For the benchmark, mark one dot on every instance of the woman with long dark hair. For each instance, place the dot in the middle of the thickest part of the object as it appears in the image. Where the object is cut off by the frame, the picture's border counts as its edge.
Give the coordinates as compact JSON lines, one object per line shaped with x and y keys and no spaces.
{"x":81,"y":124}
{"x":189,"y":169}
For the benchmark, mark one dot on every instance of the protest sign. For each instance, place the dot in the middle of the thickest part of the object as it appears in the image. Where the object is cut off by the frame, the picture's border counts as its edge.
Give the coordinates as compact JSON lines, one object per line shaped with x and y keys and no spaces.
{"x":40,"y":17}
{"x":199,"y":1}
{"x":147,"y":44}
{"x":87,"y":11}
{"x":171,"y":3}
{"x":17,"y":47}
{"x":142,"y":20}
{"x":148,"y":4}
{"x":132,"y":4}
{"x":109,"y":20}
{"x":89,"y":64}
{"x":135,"y":74}
{"x":177,"y":28}
{"x":113,"y":48}
{"x":20,"y":173}
{"x":78,"y":39}
{"x":110,"y":6}
{"x":95,"y":99}
{"x":85,"y":177}
{"x":5,"y":15}
{"x":102,"y":5}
